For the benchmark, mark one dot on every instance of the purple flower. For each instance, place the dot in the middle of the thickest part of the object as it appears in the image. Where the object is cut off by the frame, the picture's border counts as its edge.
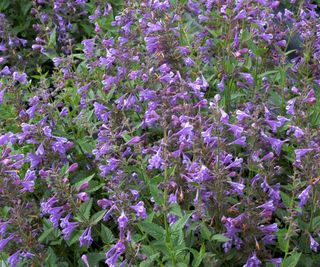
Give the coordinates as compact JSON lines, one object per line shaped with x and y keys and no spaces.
{"x":1,"y":95}
{"x":237,"y":163}
{"x":55,"y":215}
{"x":241,"y":15}
{"x":57,"y":61}
{"x":241,"y":115}
{"x":194,"y":7}
{"x":237,"y":130}
{"x":68,"y":227}
{"x":267,"y":156}
{"x":268,"y":229}
{"x":104,"y":203}
{"x":22,"y":78}
{"x":122,"y":222}
{"x":156,"y":162}
{"x":88,"y":47}
{"x":4,"y":242}
{"x":154,"y":27}
{"x":300,"y":153}
{"x":64,"y":112}
{"x":253,"y":261}
{"x":273,"y":125}
{"x":313,"y":244}
{"x":83,"y":196}
{"x":14,"y":258}
{"x":151,"y":44}
{"x":276,"y":144}
{"x":248,"y":77}
{"x":73,"y":167}
{"x":3,"y":227}
{"x":86,"y":239}
{"x":135,"y":194}
{"x":85,"y":260}
{"x":61,"y":145}
{"x":28,"y":182}
{"x":237,"y":187}
{"x":290,"y":107}
{"x":188,"y":61}
{"x":310,"y":98}
{"x":151,"y":117}
{"x":6,"y":138}
{"x":172,"y":218}
{"x":114,"y":253}
{"x":221,"y":85}
{"x":303,"y":197}
{"x":133,"y":140}
{"x":224,"y":116}
{"x":297,"y":132}
{"x":47,"y":131}
{"x":140,"y":210}
{"x":267,"y":37}
{"x":113,"y":163}
{"x":107,"y":215}
{"x":276,"y":261}
{"x":27,"y":255}
{"x":5,"y":71}
{"x":84,"y":186}
{"x":268,"y":208}
{"x":240,"y":141}
{"x":207,"y":138}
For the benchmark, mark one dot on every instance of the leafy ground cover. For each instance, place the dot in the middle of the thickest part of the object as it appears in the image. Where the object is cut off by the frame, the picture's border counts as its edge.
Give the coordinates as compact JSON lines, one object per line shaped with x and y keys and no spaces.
{"x":159,"y":133}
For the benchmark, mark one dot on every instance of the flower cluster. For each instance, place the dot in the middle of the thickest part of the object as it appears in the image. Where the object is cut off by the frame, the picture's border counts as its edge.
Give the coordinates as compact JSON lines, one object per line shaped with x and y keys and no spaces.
{"x":177,"y":133}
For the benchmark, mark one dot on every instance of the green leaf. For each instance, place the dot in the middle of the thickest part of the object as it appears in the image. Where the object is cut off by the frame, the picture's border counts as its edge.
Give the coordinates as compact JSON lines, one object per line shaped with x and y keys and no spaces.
{"x":45,"y":234}
{"x":97,"y":217}
{"x":74,"y":238}
{"x":110,"y":95}
{"x":52,"y":39}
{"x":64,"y":169}
{"x":292,"y":261}
{"x":315,"y":224}
{"x":126,"y":137}
{"x":156,"y":194}
{"x":25,"y":7}
{"x":176,"y":210}
{"x":199,"y":257}
{"x":282,"y":241}
{"x":79,"y":183}
{"x":179,"y":224}
{"x":220,"y":238}
{"x":155,"y":230}
{"x":267,"y":73}
{"x":205,"y":232}
{"x":106,"y":235}
{"x":94,"y":188}
{"x":4,"y":4}
{"x":286,"y":199}
{"x":51,"y":260}
{"x":85,"y":209}
{"x":146,"y":263}
{"x":149,"y":261}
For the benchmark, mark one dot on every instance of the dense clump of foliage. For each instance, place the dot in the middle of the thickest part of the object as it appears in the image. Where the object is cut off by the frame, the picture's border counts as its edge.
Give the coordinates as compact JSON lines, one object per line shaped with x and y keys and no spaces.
{"x":159,"y":133}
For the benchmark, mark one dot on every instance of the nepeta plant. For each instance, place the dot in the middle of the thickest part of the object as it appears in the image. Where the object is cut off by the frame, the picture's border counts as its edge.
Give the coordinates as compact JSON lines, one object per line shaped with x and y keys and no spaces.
{"x":161,"y":133}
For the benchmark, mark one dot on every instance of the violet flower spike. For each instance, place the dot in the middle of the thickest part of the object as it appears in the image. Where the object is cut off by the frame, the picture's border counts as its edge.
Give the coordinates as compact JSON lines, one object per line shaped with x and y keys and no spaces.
{"x":86,"y":239}
{"x":253,"y":261}
{"x":313,"y":244}
{"x":304,"y":196}
{"x":140,"y":210}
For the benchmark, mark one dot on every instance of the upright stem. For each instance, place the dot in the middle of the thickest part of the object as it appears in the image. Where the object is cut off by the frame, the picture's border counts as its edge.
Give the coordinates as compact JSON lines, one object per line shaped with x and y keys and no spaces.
{"x":165,"y":196}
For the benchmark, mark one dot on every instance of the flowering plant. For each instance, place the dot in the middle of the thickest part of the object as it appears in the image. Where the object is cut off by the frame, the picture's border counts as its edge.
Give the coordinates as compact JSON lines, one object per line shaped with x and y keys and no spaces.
{"x":159,"y":133}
